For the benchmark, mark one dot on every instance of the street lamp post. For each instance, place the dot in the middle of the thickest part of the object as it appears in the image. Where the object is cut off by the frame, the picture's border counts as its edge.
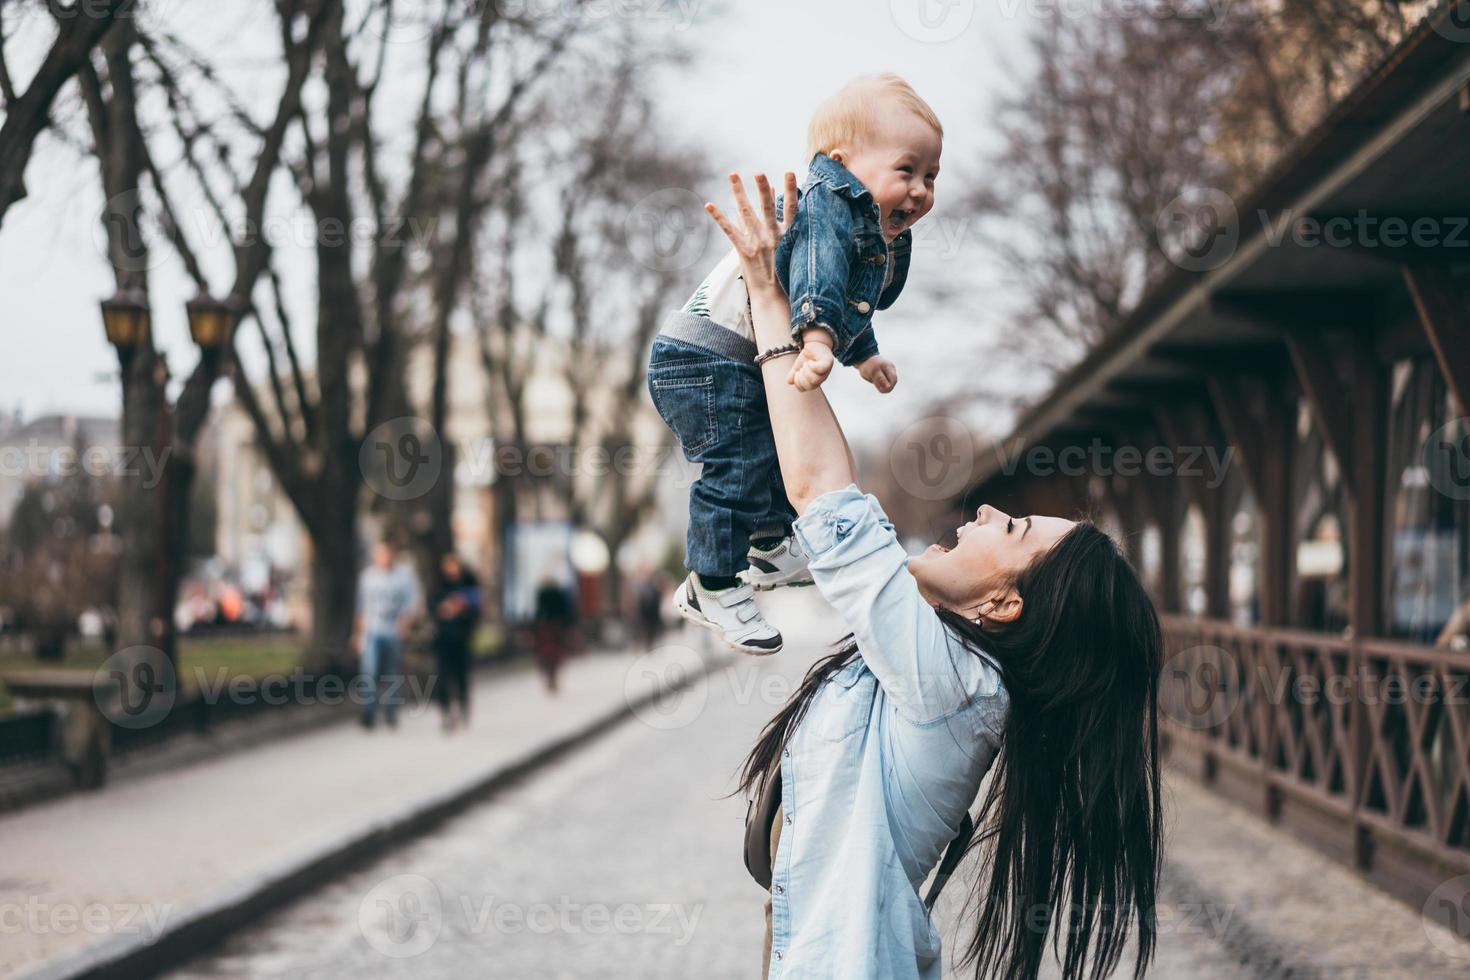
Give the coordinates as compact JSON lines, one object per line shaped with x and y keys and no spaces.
{"x":126,"y":319}
{"x":211,"y":323}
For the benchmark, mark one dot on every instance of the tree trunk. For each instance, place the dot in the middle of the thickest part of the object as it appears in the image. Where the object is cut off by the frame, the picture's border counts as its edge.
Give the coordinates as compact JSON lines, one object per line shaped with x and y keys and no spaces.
{"x":145,"y":616}
{"x":334,"y":590}
{"x":50,"y":640}
{"x":612,"y":599}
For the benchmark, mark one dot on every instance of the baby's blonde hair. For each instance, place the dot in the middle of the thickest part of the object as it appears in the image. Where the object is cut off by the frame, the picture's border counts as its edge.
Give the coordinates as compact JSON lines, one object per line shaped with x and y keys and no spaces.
{"x":847,"y":117}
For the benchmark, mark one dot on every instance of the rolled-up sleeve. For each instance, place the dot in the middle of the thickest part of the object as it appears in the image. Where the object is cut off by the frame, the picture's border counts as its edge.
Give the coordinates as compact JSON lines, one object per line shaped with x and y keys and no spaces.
{"x":819,"y":255}
{"x":862,"y":571}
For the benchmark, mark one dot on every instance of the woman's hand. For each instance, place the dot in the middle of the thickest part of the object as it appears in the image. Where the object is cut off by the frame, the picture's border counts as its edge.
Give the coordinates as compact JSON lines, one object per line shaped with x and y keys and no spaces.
{"x":755,"y":237}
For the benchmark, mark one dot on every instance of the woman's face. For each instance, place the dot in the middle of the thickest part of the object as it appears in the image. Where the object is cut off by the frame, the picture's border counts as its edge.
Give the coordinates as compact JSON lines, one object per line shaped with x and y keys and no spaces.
{"x":976,"y":577}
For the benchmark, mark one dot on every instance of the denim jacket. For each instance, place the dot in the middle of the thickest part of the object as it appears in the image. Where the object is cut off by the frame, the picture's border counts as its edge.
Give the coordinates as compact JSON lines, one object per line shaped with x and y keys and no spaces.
{"x":833,"y":260}
{"x":878,"y":775}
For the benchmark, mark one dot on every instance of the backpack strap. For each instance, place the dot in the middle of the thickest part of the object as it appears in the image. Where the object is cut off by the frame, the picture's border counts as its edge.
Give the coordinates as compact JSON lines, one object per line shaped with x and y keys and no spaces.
{"x":953,"y":854}
{"x":760,"y":814}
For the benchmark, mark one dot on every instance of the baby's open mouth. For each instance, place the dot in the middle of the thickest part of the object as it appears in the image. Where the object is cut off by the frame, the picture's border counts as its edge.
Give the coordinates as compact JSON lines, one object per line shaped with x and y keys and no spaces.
{"x":898,"y":217}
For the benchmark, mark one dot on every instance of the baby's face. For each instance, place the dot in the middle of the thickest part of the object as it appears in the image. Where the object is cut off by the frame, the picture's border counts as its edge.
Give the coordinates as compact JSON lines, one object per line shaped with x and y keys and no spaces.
{"x":897,"y":163}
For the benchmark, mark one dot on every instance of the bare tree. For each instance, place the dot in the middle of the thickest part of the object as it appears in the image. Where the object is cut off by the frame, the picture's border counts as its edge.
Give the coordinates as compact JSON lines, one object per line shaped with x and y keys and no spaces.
{"x":599,"y":308}
{"x":366,"y":321}
{"x":80,"y":26}
{"x":1127,"y":114}
{"x":154,"y":520}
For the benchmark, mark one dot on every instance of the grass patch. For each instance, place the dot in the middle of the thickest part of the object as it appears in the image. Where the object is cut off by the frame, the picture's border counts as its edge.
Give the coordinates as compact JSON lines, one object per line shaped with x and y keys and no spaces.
{"x":247,"y":655}
{"x":238,"y":655}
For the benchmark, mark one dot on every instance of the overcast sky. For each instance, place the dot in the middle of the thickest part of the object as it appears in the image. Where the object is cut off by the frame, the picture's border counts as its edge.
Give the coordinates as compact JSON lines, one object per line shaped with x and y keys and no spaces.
{"x":760,"y":67}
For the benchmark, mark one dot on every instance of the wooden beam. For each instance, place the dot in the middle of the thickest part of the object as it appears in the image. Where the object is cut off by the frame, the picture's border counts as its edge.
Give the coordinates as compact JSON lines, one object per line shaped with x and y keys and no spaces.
{"x":1255,"y":358}
{"x":1287,"y":310}
{"x":1441,"y":303}
{"x":1367,"y":482}
{"x":1241,"y":429}
{"x":1265,"y":440}
{"x":1325,"y":391}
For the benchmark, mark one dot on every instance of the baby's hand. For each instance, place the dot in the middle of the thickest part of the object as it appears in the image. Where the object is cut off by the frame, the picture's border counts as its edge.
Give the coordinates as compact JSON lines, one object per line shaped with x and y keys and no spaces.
{"x":879,"y":372}
{"x":812,"y":366}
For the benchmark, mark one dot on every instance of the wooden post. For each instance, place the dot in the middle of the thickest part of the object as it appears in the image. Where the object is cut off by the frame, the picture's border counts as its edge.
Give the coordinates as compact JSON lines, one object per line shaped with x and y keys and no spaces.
{"x":1264,"y":440}
{"x":1442,"y":304}
{"x":1353,"y":418}
{"x":1185,"y":427}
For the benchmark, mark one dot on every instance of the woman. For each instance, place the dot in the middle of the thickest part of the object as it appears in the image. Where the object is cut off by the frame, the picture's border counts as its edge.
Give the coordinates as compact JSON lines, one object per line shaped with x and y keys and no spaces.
{"x":456,"y":611}
{"x":554,"y":620}
{"x":1030,"y":644}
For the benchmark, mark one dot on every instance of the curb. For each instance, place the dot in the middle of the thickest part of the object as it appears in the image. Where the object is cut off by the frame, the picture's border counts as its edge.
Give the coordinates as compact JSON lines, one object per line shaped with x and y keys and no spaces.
{"x":210,"y":921}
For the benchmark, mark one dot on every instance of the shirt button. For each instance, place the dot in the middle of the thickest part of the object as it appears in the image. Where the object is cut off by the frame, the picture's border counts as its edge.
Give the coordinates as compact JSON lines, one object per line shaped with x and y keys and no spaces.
{"x":780,"y":889}
{"x":777,"y":954}
{"x":806,"y":305}
{"x":786,"y":753}
{"x":788,"y":818}
{"x":864,"y":306}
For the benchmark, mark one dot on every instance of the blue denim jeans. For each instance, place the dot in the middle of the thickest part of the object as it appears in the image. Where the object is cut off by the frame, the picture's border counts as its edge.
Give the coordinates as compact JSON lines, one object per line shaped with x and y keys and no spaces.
{"x":382,"y":653}
{"x":716,"y":406}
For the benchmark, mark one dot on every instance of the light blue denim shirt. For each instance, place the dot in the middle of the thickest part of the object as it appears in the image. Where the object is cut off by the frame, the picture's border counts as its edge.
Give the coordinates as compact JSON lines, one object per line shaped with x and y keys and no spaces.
{"x":879,"y":774}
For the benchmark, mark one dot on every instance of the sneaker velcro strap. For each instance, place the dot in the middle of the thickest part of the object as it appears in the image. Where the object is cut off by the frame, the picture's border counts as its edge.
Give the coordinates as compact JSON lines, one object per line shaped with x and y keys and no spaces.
{"x":730,"y":598}
{"x":747,"y":612}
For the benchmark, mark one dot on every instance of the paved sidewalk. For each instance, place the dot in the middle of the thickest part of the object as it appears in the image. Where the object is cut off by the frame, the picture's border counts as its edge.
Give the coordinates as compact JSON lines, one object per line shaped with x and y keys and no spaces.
{"x":92,"y":871}
{"x":1284,"y":908}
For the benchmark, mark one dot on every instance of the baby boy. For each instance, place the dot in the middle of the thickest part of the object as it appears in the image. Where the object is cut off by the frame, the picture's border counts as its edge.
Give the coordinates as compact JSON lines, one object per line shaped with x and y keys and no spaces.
{"x":875,"y":149}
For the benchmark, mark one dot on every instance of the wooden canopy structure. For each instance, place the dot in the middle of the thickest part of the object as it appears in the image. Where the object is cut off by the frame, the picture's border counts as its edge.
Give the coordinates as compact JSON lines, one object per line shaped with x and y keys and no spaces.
{"x":1288,"y":344}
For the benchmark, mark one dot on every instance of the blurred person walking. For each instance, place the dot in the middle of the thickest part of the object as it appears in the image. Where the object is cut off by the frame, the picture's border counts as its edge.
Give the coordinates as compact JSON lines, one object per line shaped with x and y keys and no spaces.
{"x":457,"y":607}
{"x":554,"y":619}
{"x":648,"y":615}
{"x":388,"y":601}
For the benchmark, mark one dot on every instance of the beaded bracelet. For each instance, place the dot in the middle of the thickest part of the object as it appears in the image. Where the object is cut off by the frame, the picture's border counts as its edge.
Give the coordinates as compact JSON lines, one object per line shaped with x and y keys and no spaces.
{"x":781,"y":351}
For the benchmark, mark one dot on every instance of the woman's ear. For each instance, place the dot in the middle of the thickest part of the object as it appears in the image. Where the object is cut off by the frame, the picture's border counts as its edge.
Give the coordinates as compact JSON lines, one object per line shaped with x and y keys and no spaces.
{"x":1002,"y":608}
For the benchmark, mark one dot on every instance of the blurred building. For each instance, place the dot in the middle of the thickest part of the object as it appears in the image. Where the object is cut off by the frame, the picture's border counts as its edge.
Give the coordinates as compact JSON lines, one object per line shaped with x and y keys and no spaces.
{"x":259,"y":536}
{"x":49,"y":447}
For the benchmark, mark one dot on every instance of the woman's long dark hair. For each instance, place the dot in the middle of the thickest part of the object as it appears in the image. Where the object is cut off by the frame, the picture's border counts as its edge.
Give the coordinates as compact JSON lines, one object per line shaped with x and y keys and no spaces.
{"x":1071,"y":823}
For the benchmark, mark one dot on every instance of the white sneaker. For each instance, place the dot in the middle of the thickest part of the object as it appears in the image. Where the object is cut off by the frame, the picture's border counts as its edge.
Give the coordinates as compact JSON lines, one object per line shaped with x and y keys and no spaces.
{"x":785,"y":564}
{"x":731,"y":612}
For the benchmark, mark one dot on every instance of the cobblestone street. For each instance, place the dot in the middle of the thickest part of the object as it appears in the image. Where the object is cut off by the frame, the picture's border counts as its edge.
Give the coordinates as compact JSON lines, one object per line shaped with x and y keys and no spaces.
{"x":621,"y":861}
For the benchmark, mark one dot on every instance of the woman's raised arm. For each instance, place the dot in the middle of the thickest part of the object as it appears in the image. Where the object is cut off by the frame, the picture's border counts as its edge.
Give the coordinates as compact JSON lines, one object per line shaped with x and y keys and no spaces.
{"x":810,"y":446}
